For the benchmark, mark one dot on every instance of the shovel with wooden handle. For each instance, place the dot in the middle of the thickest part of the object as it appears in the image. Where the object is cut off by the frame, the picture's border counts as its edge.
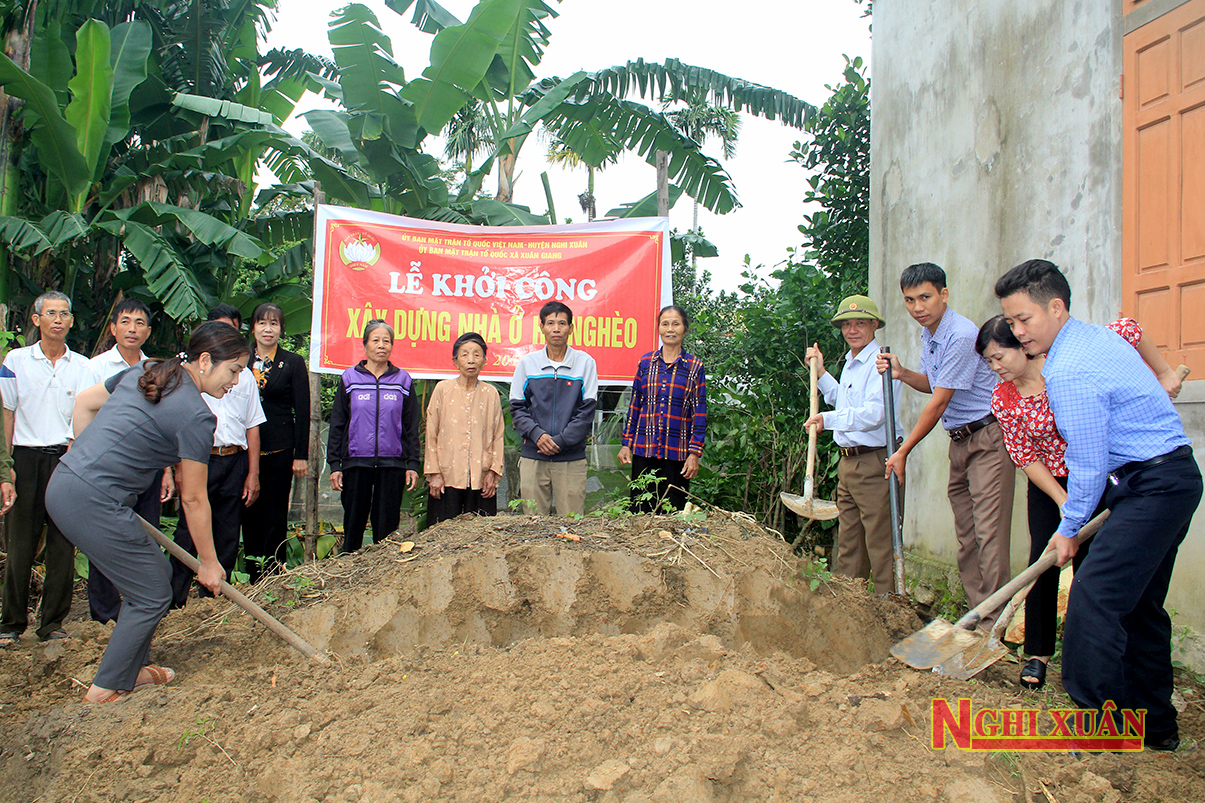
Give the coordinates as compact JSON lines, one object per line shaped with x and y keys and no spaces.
{"x":954,"y":648}
{"x":897,"y":531}
{"x":228,"y":591}
{"x":806,"y":505}
{"x":962,"y":651}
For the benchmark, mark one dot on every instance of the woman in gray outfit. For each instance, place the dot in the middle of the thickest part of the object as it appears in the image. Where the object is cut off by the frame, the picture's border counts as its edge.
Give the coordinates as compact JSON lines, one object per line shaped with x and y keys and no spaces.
{"x":140,"y":421}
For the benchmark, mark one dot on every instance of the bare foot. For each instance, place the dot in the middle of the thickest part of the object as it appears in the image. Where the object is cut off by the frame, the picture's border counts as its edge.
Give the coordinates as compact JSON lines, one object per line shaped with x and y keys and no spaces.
{"x":100,"y":696}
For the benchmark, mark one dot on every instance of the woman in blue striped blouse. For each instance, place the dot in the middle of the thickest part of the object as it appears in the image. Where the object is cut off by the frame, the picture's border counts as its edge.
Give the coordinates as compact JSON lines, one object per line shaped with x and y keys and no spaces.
{"x":667,"y":418}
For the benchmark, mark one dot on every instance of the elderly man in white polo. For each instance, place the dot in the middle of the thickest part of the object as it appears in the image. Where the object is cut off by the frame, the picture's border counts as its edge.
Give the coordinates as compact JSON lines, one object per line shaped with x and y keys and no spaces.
{"x":858,"y":423}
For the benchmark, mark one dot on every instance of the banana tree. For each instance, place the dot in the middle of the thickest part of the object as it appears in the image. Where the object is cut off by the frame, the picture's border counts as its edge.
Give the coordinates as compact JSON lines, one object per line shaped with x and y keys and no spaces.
{"x":371,"y":155}
{"x":92,"y":186}
{"x":492,"y":57}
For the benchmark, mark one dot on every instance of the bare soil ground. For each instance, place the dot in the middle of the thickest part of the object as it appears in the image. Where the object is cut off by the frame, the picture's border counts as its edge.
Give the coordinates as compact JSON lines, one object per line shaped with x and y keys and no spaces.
{"x":653,"y":660}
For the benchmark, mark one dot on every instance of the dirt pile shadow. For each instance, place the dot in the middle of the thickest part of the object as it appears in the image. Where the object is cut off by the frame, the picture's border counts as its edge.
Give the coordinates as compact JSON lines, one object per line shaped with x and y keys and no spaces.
{"x":524,"y":580}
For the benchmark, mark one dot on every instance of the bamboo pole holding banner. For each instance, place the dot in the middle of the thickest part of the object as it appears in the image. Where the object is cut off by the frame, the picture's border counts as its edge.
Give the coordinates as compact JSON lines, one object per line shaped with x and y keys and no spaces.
{"x":314,"y":464}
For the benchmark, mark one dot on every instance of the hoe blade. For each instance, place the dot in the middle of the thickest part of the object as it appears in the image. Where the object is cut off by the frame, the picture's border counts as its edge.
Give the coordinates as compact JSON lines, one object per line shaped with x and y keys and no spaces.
{"x":817,"y":509}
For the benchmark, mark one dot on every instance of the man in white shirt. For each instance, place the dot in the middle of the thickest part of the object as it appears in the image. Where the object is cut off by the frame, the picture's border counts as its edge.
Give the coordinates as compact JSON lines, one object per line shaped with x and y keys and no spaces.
{"x":859,"y":427}
{"x":233,"y":469}
{"x":39,"y":383}
{"x":129,"y":326}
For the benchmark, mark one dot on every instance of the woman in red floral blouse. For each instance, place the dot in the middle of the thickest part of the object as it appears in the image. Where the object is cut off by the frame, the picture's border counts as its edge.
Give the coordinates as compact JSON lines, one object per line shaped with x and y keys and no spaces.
{"x":1036,"y":447}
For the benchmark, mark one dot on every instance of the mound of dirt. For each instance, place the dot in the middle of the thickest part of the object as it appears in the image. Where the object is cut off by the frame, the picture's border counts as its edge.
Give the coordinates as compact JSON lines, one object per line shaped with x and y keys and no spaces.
{"x":516,"y":658}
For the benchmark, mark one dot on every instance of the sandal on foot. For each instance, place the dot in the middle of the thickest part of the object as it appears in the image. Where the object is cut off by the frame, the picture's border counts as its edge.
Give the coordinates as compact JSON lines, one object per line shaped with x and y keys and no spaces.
{"x":9,"y":640}
{"x":160,"y":675}
{"x":56,"y":635}
{"x":111,"y":697}
{"x":1033,"y":675}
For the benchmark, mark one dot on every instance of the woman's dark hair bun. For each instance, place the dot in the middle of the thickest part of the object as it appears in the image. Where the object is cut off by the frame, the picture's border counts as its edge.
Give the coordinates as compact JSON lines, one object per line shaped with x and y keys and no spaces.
{"x":219,"y":340}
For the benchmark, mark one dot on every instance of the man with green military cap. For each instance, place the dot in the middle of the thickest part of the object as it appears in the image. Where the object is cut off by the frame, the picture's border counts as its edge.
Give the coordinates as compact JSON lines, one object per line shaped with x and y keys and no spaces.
{"x":858,"y":424}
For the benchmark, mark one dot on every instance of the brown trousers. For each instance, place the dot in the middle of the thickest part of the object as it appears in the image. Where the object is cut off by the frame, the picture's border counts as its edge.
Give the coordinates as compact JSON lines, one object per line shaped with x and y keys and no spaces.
{"x":864,"y":520}
{"x":544,"y":483}
{"x":981,"y":493}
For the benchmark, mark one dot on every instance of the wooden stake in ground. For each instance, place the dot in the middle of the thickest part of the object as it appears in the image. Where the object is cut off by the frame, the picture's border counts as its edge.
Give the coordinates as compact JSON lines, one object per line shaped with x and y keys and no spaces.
{"x":228,"y":591}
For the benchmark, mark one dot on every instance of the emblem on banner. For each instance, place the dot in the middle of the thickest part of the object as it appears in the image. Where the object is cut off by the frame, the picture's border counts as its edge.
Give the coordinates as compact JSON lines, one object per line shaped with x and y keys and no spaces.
{"x":359,"y":251}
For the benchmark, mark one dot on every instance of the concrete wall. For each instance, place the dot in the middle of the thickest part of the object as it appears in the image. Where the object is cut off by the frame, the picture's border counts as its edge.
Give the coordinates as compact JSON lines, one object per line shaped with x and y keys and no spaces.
{"x":996,"y":138}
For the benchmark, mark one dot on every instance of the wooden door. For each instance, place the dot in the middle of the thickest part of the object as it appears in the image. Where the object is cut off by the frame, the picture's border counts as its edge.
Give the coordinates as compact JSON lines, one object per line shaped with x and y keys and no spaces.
{"x":1163,"y":183}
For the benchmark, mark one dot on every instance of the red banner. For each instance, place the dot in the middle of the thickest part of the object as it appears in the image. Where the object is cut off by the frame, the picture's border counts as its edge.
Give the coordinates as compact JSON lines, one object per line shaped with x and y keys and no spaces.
{"x":432,"y":282}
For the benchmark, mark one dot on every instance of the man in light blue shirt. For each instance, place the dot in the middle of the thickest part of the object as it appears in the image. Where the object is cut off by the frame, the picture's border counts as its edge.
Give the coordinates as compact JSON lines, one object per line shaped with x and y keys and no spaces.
{"x":981,"y":473}
{"x":1125,"y":440}
{"x":859,"y":429}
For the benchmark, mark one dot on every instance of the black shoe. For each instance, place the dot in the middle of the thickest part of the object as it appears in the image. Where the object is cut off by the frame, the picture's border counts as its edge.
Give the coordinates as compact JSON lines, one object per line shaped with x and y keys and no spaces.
{"x":1168,"y":744}
{"x":1033,"y":675}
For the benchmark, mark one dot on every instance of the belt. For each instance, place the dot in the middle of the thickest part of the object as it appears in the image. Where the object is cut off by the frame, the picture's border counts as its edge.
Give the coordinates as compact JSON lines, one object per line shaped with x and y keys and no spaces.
{"x":58,"y":449}
{"x":960,"y":434}
{"x":1141,"y":465}
{"x":225,"y":451}
{"x":854,"y":451}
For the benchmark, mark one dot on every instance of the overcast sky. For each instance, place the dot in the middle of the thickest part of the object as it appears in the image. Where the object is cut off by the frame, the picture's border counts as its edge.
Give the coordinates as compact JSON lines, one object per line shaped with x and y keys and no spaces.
{"x":792,"y":45}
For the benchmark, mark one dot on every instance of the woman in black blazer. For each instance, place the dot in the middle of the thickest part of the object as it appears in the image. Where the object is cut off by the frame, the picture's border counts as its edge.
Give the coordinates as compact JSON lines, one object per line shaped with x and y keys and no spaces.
{"x":284,"y":392}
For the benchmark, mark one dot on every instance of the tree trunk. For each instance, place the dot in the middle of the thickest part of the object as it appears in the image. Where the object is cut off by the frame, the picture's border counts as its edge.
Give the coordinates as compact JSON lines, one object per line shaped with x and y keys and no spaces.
{"x":694,"y":260}
{"x":16,"y":46}
{"x":506,"y":181}
{"x":590,"y":189}
{"x":662,"y":184}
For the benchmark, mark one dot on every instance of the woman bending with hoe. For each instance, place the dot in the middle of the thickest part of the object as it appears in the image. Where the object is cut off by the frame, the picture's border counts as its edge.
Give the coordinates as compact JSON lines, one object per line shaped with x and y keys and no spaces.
{"x":140,"y":421}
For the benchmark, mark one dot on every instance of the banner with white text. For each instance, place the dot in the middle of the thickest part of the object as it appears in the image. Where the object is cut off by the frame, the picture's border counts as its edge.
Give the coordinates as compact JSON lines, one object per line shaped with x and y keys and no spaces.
{"x":432,"y":282}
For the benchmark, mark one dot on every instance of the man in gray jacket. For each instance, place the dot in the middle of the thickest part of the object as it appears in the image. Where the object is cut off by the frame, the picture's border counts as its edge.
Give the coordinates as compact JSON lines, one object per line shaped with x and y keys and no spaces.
{"x":553,"y":395}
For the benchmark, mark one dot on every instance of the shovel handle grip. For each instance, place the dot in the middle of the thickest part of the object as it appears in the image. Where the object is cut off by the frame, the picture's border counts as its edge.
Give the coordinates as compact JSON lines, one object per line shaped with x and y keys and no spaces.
{"x":1026,"y":577}
{"x":1040,"y":565}
{"x":238,"y":598}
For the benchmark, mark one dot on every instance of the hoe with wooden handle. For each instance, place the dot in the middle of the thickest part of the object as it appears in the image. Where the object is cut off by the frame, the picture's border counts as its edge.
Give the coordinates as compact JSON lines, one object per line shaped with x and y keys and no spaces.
{"x":806,"y":505}
{"x":228,"y":591}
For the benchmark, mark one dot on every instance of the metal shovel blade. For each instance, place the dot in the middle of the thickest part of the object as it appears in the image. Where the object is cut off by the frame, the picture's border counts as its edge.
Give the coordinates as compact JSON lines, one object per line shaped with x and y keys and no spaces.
{"x":936,"y":643}
{"x":817,"y":509}
{"x":984,"y":651}
{"x":959,"y":649}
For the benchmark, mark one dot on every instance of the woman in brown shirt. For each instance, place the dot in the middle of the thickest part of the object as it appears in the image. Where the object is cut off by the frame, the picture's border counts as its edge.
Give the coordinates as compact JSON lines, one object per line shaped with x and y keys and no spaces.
{"x":465,"y":438}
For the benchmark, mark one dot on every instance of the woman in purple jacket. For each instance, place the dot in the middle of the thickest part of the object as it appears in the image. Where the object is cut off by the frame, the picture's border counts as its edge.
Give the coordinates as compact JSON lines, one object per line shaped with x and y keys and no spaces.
{"x":373,"y":444}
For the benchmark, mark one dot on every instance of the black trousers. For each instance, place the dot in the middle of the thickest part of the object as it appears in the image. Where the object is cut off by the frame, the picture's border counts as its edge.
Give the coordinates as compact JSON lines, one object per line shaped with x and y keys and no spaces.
{"x":455,"y":501}
{"x":226,"y":477}
{"x":266,"y":523}
{"x":1042,"y":604}
{"x":116,"y":543}
{"x":104,"y":600}
{"x":1117,"y":639}
{"x":374,"y":493}
{"x":34,"y":467}
{"x":668,"y":472}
